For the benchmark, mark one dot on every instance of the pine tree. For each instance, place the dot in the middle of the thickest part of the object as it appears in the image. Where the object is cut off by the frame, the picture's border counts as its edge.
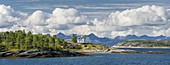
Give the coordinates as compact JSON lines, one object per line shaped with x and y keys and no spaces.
{"x":74,"y":38}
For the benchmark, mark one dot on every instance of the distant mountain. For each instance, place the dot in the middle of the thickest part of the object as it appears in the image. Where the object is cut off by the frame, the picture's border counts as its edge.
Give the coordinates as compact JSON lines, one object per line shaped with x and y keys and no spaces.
{"x":92,"y":38}
{"x":95,"y":39}
{"x":128,"y":37}
{"x":158,"y":38}
{"x":61,"y":35}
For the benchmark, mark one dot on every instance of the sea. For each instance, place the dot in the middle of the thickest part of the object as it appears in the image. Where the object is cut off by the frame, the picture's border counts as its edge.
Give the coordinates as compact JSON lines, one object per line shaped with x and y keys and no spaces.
{"x":98,"y":59}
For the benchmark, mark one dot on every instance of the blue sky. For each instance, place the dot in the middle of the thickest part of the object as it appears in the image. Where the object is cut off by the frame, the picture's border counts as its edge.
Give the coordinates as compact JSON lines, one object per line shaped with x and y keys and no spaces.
{"x":101,"y":17}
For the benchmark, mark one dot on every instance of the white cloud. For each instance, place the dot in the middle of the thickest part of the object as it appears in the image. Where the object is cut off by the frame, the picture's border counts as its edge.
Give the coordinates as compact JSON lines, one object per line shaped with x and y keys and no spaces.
{"x":39,"y":21}
{"x":9,"y":17}
{"x":146,"y":15}
{"x":66,"y":16}
{"x":141,"y":21}
{"x":37,"y":18}
{"x":146,"y":20}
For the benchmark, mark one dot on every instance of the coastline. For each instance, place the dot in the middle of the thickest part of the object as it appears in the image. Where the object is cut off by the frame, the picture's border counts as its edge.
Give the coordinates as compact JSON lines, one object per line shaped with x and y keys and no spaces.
{"x":136,"y":47}
{"x":62,"y":53}
{"x":40,"y":54}
{"x":118,"y":51}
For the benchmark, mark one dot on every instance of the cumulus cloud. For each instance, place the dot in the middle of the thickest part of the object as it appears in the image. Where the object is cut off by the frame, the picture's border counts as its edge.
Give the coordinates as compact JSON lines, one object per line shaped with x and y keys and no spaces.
{"x":39,"y":21}
{"x":37,"y":18}
{"x":146,"y":15}
{"x":8,"y":17}
{"x":62,"y":19}
{"x":66,"y":16}
{"x":147,"y":20}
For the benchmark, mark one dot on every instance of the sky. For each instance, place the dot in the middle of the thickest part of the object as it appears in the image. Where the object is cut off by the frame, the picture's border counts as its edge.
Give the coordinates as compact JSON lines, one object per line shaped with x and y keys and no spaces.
{"x":104,"y":18}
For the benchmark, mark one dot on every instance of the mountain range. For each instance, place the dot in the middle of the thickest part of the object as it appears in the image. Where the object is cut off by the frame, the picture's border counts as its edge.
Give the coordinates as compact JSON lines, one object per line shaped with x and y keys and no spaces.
{"x":92,"y":38}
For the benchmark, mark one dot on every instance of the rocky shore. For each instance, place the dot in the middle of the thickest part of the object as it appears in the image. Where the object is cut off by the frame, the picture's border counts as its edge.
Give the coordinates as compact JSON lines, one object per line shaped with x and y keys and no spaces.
{"x":39,"y":54}
{"x":61,"y":53}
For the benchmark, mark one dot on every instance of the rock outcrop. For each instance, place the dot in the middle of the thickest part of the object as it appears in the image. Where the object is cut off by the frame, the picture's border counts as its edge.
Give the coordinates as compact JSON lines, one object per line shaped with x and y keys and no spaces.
{"x":39,"y":54}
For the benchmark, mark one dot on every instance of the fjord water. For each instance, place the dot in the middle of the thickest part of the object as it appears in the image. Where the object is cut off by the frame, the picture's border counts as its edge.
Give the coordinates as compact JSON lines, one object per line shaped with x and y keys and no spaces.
{"x":96,"y":59}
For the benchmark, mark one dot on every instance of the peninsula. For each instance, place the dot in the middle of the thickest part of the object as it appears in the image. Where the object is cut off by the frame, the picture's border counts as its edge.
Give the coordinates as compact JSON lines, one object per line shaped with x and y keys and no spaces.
{"x":20,"y":44}
{"x":143,"y":44}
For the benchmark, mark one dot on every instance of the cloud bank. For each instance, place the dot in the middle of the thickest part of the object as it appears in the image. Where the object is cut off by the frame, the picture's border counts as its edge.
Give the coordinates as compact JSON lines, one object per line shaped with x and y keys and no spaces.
{"x":147,"y":20}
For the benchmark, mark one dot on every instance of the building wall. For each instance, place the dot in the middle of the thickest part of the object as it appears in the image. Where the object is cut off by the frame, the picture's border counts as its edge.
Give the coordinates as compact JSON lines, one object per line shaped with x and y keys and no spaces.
{"x":80,"y":40}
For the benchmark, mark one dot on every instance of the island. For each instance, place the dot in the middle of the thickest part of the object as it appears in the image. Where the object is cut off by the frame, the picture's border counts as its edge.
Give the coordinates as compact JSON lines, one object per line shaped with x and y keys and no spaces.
{"x":144,"y":44}
{"x":141,"y":44}
{"x":21,"y":44}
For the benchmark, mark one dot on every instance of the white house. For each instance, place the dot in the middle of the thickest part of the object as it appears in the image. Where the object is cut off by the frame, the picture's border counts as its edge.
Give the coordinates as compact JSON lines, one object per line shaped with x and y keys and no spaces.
{"x":81,"y":39}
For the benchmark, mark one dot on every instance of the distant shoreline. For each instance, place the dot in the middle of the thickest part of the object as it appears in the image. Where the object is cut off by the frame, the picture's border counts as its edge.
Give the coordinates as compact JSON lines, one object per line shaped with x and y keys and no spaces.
{"x":137,"y":47}
{"x":118,"y":51}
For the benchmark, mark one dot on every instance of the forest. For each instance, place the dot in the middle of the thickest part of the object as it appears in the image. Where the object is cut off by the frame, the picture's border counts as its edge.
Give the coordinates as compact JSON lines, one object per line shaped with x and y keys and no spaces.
{"x":20,"y":40}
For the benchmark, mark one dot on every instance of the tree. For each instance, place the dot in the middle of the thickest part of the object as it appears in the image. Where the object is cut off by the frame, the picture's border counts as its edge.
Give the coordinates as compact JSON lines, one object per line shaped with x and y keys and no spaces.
{"x":74,"y":38}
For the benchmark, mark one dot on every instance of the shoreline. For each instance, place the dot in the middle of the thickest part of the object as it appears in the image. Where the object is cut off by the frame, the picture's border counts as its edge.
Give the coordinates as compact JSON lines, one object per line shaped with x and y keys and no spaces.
{"x":40,"y":54}
{"x":126,"y":53}
{"x":119,"y":51}
{"x":61,"y":53}
{"x":137,"y":47}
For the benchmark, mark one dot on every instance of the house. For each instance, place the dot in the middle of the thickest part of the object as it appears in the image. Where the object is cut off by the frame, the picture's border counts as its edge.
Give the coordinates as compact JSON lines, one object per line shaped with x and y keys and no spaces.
{"x":48,"y":35}
{"x":81,"y":39}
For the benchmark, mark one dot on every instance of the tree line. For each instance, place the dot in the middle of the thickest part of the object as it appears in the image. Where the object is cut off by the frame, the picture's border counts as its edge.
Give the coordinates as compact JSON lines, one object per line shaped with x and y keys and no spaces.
{"x":20,"y":40}
{"x":26,"y":41}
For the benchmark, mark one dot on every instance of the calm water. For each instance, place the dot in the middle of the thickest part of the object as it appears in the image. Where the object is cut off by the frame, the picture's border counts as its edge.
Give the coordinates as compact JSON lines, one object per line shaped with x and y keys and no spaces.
{"x":95,"y":59}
